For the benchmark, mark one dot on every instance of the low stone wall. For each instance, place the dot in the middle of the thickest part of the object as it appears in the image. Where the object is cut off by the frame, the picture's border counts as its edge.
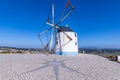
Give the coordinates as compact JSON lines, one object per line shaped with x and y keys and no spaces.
{"x":118,"y":58}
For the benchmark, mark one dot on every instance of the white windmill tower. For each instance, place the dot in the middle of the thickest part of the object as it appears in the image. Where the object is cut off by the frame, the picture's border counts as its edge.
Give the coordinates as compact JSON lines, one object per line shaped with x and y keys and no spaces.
{"x":62,"y":40}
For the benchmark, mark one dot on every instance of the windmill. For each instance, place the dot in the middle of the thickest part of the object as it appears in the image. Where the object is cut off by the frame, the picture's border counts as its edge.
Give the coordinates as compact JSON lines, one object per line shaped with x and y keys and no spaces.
{"x":62,"y":40}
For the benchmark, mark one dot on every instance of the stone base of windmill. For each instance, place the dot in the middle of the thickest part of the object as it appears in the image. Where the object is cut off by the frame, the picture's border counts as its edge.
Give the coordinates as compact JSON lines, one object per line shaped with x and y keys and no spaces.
{"x":67,"y":53}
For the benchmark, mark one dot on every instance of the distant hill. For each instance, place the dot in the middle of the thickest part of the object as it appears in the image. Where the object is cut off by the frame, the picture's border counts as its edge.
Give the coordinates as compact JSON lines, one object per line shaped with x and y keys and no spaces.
{"x":100,"y":51}
{"x":6,"y":47}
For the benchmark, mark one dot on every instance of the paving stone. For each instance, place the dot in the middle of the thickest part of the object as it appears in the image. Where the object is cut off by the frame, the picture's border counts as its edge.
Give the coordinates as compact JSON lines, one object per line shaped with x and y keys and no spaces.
{"x":53,"y":67}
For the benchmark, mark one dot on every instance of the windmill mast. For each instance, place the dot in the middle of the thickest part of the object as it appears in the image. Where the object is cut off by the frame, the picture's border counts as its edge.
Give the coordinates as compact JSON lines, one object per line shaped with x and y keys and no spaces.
{"x":51,"y":41}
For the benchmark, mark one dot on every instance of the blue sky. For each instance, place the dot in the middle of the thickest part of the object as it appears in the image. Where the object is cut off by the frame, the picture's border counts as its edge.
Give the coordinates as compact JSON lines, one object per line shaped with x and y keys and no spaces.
{"x":97,"y":22}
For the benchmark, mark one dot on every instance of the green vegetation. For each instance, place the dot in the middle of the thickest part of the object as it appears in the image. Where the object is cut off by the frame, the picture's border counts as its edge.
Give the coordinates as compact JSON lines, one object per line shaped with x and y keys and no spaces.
{"x":101,"y":52}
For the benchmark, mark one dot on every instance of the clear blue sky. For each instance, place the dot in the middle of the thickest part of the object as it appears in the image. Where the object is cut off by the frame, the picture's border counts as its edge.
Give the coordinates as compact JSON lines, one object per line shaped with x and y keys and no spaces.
{"x":97,"y":22}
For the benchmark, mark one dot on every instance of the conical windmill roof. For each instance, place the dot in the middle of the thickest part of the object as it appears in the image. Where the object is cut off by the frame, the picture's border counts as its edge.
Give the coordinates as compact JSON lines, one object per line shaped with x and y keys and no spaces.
{"x":65,"y":29}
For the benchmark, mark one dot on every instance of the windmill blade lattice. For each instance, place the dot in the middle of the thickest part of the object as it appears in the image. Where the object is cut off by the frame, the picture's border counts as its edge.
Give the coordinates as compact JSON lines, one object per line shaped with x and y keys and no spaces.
{"x":47,"y":36}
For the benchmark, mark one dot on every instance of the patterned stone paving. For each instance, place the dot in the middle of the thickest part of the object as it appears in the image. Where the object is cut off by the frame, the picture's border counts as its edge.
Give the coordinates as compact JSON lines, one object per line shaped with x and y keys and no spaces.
{"x":52,"y":67}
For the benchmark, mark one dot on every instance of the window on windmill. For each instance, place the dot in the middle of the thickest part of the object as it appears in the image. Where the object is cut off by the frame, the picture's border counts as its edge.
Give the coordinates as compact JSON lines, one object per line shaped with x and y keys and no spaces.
{"x":75,"y":34}
{"x":57,"y":42}
{"x":75,"y":43}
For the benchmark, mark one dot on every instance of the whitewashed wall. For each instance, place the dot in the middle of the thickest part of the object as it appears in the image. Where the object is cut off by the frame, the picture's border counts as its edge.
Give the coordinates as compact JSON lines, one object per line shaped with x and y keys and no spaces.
{"x":63,"y":45}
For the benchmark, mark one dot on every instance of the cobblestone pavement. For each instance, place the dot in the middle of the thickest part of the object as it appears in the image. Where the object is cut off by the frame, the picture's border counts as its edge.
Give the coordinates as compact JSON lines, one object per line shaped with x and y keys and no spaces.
{"x":52,"y":67}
